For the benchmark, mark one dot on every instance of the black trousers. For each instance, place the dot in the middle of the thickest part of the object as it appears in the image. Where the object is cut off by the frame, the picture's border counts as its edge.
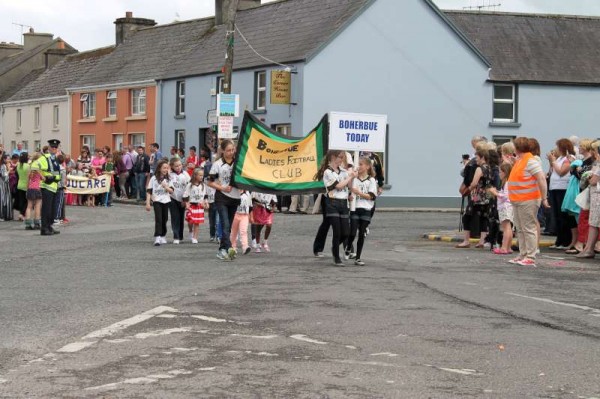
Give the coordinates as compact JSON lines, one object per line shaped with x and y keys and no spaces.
{"x":177,"y":218}
{"x":48,"y":209}
{"x":161,"y":216}
{"x":321,"y":238}
{"x":359,"y":221}
{"x":564,"y":221}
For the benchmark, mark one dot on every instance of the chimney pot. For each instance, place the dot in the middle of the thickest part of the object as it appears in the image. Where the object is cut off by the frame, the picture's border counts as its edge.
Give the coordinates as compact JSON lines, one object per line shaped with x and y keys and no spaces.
{"x":128,"y":14}
{"x":31,"y":30}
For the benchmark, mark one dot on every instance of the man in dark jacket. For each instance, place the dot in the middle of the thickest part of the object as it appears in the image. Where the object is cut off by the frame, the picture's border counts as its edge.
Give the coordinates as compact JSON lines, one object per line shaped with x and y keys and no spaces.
{"x":142,"y":171}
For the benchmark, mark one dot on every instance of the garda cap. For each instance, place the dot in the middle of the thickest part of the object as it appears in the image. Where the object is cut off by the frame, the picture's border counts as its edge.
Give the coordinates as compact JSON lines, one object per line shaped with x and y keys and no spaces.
{"x":54,"y":143}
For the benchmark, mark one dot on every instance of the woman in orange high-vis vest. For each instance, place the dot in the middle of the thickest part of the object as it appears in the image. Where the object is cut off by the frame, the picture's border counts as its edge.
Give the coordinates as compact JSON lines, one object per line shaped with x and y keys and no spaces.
{"x":526,"y":189}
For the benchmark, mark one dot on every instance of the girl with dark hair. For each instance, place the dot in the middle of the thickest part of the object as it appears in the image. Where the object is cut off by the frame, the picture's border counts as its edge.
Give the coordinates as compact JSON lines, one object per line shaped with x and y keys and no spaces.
{"x":6,"y":203}
{"x":159,"y":189}
{"x":227,"y":197}
{"x":22,"y":171}
{"x":336,"y":181}
{"x":180,"y":179}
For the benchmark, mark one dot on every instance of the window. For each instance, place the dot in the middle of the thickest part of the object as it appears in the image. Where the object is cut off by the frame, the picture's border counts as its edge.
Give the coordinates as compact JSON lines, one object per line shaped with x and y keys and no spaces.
{"x":89,"y":140}
{"x":118,"y":142}
{"x":18,"y":120}
{"x":137,"y":139}
{"x":285,"y":129}
{"x":180,"y":105}
{"x":88,"y":106}
{"x":36,"y":118}
{"x":37,"y":145}
{"x":13,"y":145}
{"x":505,"y":103}
{"x":138,"y":102}
{"x":55,"y":117}
{"x":499,"y":140}
{"x":25,"y":145}
{"x":111,"y":107}
{"x":180,"y":138}
{"x":220,"y":84}
{"x":260,"y":90}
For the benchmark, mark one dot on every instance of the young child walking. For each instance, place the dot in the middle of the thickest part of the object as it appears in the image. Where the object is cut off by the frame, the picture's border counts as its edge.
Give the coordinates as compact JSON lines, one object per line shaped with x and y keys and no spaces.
{"x":336,"y":180}
{"x":196,"y":201}
{"x":364,"y":189}
{"x":159,"y":189}
{"x":262,"y":216}
{"x":33,"y":215}
{"x":180,"y":180}
{"x":505,"y":211}
{"x":241,"y":221}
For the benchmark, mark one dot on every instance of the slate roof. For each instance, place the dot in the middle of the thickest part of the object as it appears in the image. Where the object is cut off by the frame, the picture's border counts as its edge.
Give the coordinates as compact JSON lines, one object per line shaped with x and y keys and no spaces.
{"x":15,"y":60}
{"x":557,"y":49}
{"x":53,"y":82}
{"x":18,"y":84}
{"x":284,"y":31}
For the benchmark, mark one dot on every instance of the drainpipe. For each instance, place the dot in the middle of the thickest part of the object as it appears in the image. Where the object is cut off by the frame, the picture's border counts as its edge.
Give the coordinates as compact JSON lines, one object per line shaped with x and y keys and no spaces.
{"x":158,"y":113}
{"x":69,"y":125}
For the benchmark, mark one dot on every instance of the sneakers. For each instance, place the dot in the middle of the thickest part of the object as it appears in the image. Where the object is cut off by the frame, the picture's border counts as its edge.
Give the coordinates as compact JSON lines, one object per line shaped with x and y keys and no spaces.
{"x":247,"y":251}
{"x":223,"y":255}
{"x":157,"y":242}
{"x":526,"y":262}
{"x":338,"y":263}
{"x":257,"y":249}
{"x":346,"y":255}
{"x":367,"y":231}
{"x":352,"y":255}
{"x":65,"y":220}
{"x":319,"y":255}
{"x":212,"y":239}
{"x":232,"y":253}
{"x":194,"y":241}
{"x":176,"y":242}
{"x":359,"y":262}
{"x":265,"y":246}
{"x":191,"y":236}
{"x":515,"y":260}
{"x":253,"y":245}
{"x":163,"y":240}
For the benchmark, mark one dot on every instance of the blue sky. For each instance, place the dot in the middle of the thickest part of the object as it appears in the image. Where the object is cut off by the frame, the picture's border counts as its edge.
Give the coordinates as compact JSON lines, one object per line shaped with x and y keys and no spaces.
{"x":89,"y":24}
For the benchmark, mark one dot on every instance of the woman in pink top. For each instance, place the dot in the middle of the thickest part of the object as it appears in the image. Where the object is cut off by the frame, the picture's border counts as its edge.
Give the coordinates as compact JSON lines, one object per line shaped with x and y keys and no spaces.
{"x":34,"y":196}
{"x":98,"y":161}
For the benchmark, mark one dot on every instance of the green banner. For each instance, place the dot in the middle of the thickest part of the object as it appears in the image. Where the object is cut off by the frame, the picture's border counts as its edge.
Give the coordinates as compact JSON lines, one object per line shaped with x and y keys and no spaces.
{"x":269,"y":162}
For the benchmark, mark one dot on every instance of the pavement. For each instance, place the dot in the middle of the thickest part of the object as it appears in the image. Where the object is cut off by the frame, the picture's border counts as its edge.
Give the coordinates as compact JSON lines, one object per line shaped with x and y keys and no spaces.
{"x":458,"y":236}
{"x":98,"y":312}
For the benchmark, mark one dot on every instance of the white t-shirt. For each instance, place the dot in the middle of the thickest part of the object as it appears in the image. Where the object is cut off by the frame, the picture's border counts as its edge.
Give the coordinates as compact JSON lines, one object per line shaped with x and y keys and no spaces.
{"x":159,"y":193}
{"x":180,"y":182}
{"x":556,"y":181}
{"x":264,"y":199}
{"x":245,"y":203}
{"x":220,"y":172}
{"x":330,"y":178}
{"x":210,"y":194}
{"x":365,"y":186}
{"x":195,"y":193}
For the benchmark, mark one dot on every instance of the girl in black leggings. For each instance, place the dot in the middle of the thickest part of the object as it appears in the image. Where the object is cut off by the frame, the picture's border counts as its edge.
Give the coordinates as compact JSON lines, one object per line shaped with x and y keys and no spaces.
{"x":336,"y":181}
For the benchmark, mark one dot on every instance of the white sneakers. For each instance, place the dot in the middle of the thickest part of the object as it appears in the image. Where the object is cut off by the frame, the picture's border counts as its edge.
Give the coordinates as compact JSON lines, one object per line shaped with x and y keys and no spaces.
{"x":157,"y":241}
{"x":176,"y":242}
{"x":194,"y":241}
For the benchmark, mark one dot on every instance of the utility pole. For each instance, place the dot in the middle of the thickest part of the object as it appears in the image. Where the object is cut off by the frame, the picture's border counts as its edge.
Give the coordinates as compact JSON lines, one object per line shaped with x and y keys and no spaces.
{"x":229,"y":10}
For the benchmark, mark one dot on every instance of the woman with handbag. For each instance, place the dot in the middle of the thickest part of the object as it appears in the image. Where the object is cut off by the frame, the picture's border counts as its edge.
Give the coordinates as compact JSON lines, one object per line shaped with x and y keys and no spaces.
{"x":478,"y":201}
{"x":593,"y":179}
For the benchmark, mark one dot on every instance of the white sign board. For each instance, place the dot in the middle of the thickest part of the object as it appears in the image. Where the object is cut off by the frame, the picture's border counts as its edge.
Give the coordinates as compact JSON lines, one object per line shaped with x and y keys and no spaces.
{"x":357,"y":132}
{"x":228,"y":105}
{"x":211,"y":117}
{"x":225,"y":127}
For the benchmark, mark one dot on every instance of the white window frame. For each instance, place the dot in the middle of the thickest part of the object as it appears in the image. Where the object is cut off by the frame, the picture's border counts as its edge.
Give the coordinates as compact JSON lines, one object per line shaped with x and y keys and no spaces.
{"x":55,"y":116}
{"x":19,"y":120}
{"x":284,"y":129}
{"x":118,"y":141}
{"x":512,"y":101}
{"x":180,"y":106}
{"x":89,"y":140}
{"x":88,"y":105}
{"x":178,"y":134}
{"x":138,"y":101}
{"x":37,"y":145}
{"x":111,"y":103}
{"x":13,"y":145}
{"x":25,"y":144}
{"x":220,"y":89}
{"x":258,"y":89}
{"x":137,"y":143}
{"x":36,"y":118}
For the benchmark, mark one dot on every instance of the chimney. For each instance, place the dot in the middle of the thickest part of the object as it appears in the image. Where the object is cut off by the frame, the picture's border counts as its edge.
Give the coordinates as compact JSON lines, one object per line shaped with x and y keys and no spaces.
{"x":53,"y":55}
{"x":31,"y":39}
{"x":8,"y":49}
{"x":220,"y":5}
{"x":125,"y":27}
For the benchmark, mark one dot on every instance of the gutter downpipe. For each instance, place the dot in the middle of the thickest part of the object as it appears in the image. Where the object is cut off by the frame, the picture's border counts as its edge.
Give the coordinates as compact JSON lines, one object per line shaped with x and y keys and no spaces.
{"x":158,"y":107}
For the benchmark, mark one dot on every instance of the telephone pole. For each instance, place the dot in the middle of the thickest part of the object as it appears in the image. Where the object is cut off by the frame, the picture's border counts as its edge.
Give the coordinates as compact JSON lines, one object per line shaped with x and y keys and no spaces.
{"x":229,"y":10}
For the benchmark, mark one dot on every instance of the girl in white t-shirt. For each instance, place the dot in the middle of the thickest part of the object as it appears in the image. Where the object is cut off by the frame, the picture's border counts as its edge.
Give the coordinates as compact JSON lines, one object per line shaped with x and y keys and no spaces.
{"x":241,"y":222}
{"x":196,"y":201}
{"x":180,"y":180}
{"x":364,"y":188}
{"x":262,"y":215}
{"x":336,"y":181}
{"x":159,"y":189}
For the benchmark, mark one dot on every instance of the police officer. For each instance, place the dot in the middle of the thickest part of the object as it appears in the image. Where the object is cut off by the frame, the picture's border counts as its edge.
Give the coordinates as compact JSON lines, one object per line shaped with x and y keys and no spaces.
{"x":50,"y":170}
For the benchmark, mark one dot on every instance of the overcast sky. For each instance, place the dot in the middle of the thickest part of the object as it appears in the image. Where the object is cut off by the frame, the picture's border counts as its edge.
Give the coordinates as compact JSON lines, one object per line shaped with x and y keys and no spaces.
{"x":89,"y":24}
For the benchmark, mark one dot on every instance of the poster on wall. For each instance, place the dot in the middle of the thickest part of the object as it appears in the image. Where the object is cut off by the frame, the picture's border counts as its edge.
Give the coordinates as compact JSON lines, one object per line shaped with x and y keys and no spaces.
{"x":280,"y":87}
{"x":226,"y":127}
{"x":228,"y":105}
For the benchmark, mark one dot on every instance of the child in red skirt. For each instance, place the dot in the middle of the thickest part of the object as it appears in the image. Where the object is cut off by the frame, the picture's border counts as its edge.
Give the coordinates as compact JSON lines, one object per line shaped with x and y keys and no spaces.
{"x":196,"y":201}
{"x":262,"y":215}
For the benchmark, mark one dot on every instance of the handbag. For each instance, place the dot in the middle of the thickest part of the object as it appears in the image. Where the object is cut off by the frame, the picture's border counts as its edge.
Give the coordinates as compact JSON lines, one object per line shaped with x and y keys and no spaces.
{"x":583,"y":199}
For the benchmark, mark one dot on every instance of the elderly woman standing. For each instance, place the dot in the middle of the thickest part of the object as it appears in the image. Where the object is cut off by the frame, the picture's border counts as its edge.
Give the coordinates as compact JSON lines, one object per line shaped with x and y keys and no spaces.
{"x":526,"y":187}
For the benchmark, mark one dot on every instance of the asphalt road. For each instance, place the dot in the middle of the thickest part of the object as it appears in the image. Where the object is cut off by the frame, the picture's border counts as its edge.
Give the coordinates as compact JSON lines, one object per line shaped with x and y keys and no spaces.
{"x":98,"y":312}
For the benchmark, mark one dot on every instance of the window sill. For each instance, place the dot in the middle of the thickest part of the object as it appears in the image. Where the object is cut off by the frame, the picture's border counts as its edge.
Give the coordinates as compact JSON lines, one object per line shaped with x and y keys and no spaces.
{"x":179,"y":116}
{"x":259,"y":111}
{"x":505,"y":124}
{"x":36,"y":130}
{"x":87,"y":120}
{"x":18,"y":132}
{"x":110,"y":119}
{"x":136,"y":118}
{"x":56,"y":129}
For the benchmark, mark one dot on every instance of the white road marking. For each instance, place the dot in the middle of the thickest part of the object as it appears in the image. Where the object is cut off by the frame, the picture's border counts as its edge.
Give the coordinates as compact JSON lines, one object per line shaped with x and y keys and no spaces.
{"x":141,"y":380}
{"x":76,"y":346}
{"x":456,"y":371}
{"x":167,"y":316}
{"x":594,"y":311}
{"x":184,"y":349}
{"x":2,"y":381}
{"x":207,"y":368}
{"x":350,"y":347}
{"x":117,"y":341}
{"x":388,"y":354}
{"x":302,"y":337}
{"x":208,"y":318}
{"x":159,"y":333}
{"x":121,"y":325}
{"x":363,"y":363}
{"x":255,"y":336}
